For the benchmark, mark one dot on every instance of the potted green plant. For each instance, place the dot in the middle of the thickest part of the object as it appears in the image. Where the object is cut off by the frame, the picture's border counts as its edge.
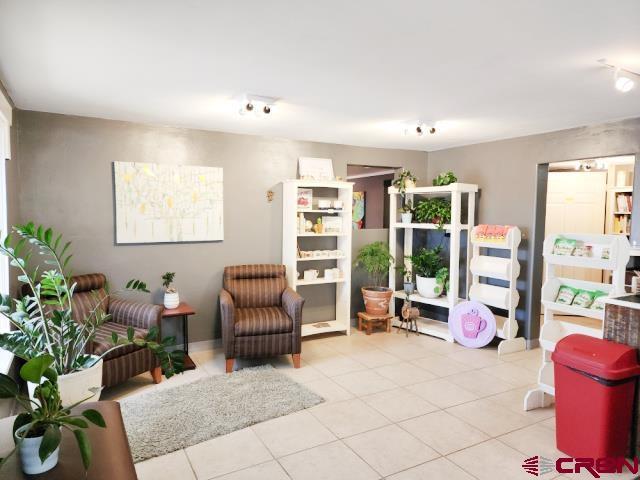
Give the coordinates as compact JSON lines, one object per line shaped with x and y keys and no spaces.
{"x":445,"y":178}
{"x":442,"y":279}
{"x":37,"y":430}
{"x":426,"y":263}
{"x":405,"y":180}
{"x":407,"y":280}
{"x":435,"y":210}
{"x":375,"y":259}
{"x":406,"y":212}
{"x":171,"y":297}
{"x":43,"y":320}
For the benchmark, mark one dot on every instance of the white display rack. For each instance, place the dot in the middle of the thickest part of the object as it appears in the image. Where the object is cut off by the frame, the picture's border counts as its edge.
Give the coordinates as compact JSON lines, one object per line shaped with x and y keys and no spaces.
{"x":293,"y":241}
{"x":505,"y":298}
{"x":455,"y":192}
{"x":575,"y":319}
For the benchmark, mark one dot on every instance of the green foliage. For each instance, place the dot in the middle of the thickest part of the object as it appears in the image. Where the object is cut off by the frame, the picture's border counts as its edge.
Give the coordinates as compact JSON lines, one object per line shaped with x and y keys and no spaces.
{"x":43,"y":320}
{"x":167,"y":280}
{"x":45,"y":416}
{"x":434,"y":210}
{"x":426,"y":262}
{"x":375,"y":259}
{"x":445,"y":178}
{"x":442,"y":280}
{"x":401,"y":182}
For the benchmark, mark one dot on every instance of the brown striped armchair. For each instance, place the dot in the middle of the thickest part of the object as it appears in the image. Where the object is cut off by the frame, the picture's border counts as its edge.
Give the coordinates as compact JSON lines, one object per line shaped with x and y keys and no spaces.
{"x":124,"y":362}
{"x":261,"y":315}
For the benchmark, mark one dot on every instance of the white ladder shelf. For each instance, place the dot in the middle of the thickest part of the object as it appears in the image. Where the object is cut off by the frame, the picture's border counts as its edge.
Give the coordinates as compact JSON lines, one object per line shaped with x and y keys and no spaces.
{"x":505,"y":298}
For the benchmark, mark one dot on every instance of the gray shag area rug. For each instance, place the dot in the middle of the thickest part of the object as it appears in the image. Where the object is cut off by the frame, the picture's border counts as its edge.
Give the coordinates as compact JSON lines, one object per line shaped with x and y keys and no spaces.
{"x":164,"y":421}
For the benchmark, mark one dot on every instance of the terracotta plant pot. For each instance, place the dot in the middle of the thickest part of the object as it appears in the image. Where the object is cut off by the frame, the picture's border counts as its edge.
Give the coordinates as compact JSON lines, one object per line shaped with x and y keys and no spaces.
{"x":376,"y":300}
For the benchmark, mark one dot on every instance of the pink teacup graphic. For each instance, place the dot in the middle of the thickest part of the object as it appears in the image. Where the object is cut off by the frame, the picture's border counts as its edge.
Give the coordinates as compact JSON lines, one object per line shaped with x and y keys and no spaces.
{"x":473,"y":324}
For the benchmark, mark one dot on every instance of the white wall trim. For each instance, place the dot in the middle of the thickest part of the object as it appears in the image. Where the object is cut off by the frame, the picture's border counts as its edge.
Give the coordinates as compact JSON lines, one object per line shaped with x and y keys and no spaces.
{"x":379,"y":173}
{"x":5,"y":108}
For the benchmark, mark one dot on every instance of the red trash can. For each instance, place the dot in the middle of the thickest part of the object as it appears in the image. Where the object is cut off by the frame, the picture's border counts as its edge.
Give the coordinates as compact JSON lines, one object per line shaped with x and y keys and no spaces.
{"x":595,"y":384}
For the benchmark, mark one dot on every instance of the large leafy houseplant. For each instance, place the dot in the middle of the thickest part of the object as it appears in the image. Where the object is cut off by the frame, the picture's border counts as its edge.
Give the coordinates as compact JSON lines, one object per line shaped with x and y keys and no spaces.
{"x":43,"y":319}
{"x":431,"y":274}
{"x":376,"y":259}
{"x":434,"y":210}
{"x":44,"y":416}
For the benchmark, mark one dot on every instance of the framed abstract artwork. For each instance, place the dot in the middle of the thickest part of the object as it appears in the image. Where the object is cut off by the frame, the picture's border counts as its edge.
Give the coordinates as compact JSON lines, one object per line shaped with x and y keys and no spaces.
{"x":157,"y":203}
{"x":358,"y":210}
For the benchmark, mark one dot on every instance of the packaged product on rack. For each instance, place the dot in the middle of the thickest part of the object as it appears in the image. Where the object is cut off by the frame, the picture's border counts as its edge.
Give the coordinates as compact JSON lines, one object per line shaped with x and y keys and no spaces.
{"x":566,"y":294}
{"x":598,"y":300}
{"x":584,"y":298}
{"x":583,"y":251}
{"x":564,"y":246}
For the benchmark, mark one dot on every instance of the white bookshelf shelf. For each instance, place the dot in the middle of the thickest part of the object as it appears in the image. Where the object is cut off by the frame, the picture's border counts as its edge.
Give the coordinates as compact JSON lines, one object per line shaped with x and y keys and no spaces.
{"x":454,"y":192}
{"x":575,"y":319}
{"x":293,"y":241}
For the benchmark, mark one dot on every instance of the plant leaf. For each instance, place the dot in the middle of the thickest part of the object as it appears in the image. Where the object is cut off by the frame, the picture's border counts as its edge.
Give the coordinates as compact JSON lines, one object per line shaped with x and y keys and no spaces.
{"x":8,"y":388}
{"x":50,"y":441}
{"x":94,"y":417}
{"x":34,"y":369}
{"x":84,"y":446}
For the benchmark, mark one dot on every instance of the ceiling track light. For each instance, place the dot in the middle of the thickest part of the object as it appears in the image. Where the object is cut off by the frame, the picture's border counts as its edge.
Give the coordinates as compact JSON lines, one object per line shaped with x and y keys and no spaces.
{"x":256,"y":104}
{"x":624,"y":80}
{"x":419,"y":129}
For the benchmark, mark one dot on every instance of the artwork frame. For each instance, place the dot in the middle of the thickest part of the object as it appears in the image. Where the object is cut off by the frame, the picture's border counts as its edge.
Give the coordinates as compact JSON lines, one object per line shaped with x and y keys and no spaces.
{"x":312,"y":168}
{"x":166,"y":203}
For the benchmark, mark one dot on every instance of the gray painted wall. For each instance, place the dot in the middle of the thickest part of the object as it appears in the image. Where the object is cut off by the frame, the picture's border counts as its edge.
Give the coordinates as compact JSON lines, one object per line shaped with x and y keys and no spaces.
{"x":507,"y":173}
{"x":375,"y":195}
{"x":65,"y":181}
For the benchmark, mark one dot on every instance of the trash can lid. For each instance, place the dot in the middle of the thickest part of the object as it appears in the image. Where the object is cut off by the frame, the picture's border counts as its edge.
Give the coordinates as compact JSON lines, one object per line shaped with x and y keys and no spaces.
{"x":602,"y":358}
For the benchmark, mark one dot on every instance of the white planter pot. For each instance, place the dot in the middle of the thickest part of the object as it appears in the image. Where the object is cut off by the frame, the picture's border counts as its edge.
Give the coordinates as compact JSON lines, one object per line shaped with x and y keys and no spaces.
{"x":427,"y":287}
{"x":406,"y":217}
{"x":171,"y":300}
{"x":30,"y":459}
{"x":76,"y":387}
{"x":409,"y":184}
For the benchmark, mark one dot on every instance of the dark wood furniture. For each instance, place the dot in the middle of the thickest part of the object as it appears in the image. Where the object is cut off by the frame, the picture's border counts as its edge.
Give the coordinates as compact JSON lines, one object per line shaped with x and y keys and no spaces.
{"x":368,"y":321}
{"x":183,"y":311}
{"x":111,"y":454}
{"x":261,"y":315}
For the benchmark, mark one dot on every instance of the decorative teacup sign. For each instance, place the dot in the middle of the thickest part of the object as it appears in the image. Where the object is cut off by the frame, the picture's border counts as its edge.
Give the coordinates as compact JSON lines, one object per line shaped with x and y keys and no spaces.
{"x":472,"y":324}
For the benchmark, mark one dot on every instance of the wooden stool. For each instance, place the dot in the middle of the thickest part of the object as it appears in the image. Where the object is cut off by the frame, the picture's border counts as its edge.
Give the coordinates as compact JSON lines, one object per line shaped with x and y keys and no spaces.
{"x":371,"y":320}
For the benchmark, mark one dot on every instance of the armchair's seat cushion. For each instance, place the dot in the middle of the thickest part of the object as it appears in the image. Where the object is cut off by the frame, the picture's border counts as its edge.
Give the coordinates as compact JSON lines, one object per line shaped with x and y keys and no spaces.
{"x":261,"y":321}
{"x":102,"y":342}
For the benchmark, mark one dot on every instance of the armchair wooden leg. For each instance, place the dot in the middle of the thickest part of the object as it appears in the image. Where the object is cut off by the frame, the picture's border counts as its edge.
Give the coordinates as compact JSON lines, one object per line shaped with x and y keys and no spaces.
{"x":296,"y":360}
{"x":156,"y":374}
{"x":229,"y":365}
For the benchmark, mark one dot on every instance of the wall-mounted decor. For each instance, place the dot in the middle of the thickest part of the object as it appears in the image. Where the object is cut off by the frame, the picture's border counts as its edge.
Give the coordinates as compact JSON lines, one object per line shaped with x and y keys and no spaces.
{"x":167,"y":203}
{"x":358,"y":209}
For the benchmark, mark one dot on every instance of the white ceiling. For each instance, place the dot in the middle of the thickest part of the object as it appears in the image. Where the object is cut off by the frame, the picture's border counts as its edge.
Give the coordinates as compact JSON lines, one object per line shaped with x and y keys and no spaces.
{"x":347,"y":71}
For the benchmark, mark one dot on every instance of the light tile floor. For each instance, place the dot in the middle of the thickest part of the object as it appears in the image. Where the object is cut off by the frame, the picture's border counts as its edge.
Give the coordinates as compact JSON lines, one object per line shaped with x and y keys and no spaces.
{"x":396,"y":407}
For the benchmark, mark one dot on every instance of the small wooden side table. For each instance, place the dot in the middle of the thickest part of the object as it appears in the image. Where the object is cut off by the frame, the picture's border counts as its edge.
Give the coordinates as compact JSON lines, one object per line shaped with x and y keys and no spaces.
{"x":371,"y":320}
{"x":183,"y":310}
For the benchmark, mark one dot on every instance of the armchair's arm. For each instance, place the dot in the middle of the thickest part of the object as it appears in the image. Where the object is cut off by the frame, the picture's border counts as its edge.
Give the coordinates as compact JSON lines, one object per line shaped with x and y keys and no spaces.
{"x":227,"y":309}
{"x":292,"y":303}
{"x":135,"y":314}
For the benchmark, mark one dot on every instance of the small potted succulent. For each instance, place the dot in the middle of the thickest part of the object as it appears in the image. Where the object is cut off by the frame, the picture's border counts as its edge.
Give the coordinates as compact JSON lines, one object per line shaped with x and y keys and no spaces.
{"x":445,"y":178}
{"x":435,"y":210}
{"x":405,"y":180}
{"x":171,"y":296}
{"x":37,"y":430}
{"x":406,"y":212}
{"x":376,"y":260}
{"x":427,"y":263}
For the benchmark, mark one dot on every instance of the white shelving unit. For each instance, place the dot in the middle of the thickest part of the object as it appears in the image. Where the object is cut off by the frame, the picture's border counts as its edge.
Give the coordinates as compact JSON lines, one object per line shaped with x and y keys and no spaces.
{"x":455,"y":192}
{"x":293,"y":241}
{"x":574,"y":319}
{"x":504,"y":298}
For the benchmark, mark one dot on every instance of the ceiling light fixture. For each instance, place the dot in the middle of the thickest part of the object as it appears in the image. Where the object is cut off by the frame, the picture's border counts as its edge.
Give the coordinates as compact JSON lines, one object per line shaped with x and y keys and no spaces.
{"x":419,"y":129}
{"x":257,"y":104}
{"x":624,"y":80}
